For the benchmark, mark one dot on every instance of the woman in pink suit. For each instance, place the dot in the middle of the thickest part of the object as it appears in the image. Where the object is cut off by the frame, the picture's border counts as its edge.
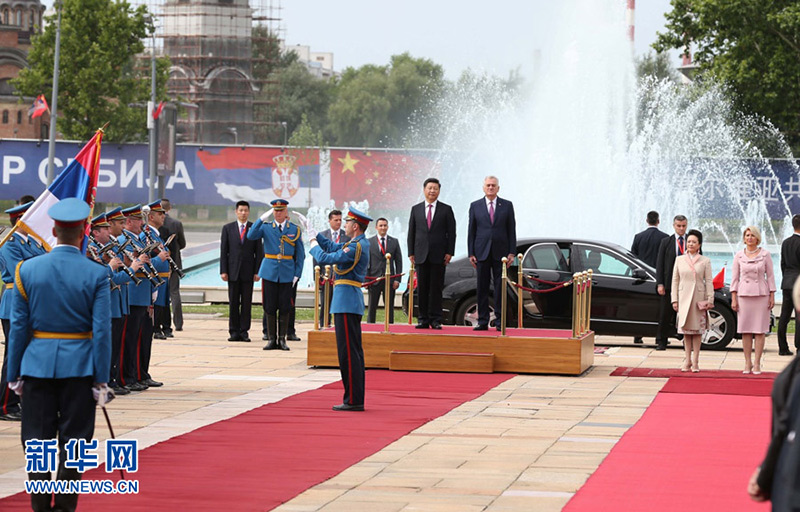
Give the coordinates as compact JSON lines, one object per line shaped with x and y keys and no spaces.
{"x":692,"y":295}
{"x":753,"y":295}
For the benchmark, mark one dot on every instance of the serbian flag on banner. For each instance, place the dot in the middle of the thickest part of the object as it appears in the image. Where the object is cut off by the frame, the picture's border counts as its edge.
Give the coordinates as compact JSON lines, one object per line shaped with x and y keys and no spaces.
{"x":39,"y":107}
{"x":719,"y":279}
{"x":78,"y":179}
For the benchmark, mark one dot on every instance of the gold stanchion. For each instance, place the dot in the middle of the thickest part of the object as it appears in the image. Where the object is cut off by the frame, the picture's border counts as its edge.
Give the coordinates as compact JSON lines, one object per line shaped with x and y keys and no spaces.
{"x":316,"y":298}
{"x":584,"y":278}
{"x":387,"y":287}
{"x":589,"y":286}
{"x":519,"y":291}
{"x":411,"y":294}
{"x":327,"y":300}
{"x":575,"y":305}
{"x":503,"y":297}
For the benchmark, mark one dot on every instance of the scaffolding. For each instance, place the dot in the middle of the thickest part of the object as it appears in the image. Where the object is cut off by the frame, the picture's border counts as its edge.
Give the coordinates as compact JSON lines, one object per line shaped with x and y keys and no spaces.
{"x":223,"y":60}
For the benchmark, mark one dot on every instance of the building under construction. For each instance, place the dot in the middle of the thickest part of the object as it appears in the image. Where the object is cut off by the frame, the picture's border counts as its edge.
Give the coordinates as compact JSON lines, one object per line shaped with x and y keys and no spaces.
{"x":223,"y":54}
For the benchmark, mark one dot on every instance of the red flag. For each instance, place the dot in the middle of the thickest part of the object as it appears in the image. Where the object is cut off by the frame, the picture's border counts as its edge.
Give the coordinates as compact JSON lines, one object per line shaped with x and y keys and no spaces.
{"x":719,"y":279}
{"x":157,"y":111}
{"x":39,"y":107}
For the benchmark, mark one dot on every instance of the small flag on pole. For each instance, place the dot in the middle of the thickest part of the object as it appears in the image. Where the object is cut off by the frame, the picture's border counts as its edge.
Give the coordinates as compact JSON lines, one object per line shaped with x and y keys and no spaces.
{"x":719,"y":279}
{"x":157,"y":111}
{"x":39,"y":107}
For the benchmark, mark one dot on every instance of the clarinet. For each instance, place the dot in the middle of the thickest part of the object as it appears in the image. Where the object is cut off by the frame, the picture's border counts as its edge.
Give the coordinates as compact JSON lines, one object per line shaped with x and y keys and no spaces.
{"x":172,"y":265}
{"x":114,"y":245}
{"x":92,"y":251}
{"x":149,"y":269}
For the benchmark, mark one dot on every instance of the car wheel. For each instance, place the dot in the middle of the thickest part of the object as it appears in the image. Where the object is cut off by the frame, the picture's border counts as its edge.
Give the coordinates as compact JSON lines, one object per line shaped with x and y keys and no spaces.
{"x":468,"y":312}
{"x":720,"y":330}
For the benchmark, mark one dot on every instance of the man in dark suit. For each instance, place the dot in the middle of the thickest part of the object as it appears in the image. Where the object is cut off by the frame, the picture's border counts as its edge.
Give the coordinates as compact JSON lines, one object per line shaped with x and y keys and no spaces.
{"x":431,"y":245}
{"x":645,"y":245}
{"x":379,"y":246}
{"x":790,"y":268}
{"x":336,"y":234}
{"x":239,"y":260}
{"x":492,"y":236}
{"x":669,"y":249}
{"x":173,"y":226}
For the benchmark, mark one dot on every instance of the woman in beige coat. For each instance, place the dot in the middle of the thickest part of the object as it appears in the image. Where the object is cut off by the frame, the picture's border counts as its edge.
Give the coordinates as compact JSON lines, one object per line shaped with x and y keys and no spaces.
{"x":692,"y":295}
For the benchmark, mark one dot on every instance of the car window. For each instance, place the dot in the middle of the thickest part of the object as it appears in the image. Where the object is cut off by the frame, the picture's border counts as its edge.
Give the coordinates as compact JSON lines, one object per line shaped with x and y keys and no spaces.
{"x":601,"y":261}
{"x":545,"y":257}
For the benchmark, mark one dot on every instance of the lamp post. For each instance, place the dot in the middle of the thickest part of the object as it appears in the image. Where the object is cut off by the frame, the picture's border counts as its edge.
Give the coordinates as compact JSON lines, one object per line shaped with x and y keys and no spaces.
{"x":283,"y":124}
{"x":232,"y":130}
{"x":51,"y":144}
{"x":151,"y":124}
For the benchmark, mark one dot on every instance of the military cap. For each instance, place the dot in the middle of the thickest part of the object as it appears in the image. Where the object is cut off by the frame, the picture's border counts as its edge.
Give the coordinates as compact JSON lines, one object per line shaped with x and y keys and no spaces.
{"x":69,"y":212}
{"x":354,"y":214}
{"x":133,"y":211}
{"x":101,"y":221}
{"x":115,"y":214}
{"x":279,"y":204}
{"x":155,"y":206}
{"x":18,"y":211}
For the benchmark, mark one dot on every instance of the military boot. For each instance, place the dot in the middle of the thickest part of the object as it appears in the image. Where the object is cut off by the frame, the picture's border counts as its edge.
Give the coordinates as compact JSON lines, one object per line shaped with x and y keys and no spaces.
{"x":272,"y":334}
{"x":283,"y":326}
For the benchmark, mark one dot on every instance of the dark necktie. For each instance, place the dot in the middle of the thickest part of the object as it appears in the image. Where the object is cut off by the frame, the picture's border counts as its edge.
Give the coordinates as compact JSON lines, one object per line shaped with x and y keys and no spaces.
{"x":491,"y":211}
{"x":681,"y":248}
{"x":383,"y":245}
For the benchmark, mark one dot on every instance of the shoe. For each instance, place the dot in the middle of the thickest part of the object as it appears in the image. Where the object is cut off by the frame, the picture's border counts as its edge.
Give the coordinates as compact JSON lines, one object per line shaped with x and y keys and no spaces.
{"x":121,"y":390}
{"x":152,"y":383}
{"x":282,"y":344}
{"x":756,"y":369}
{"x":422,"y":325}
{"x":159,"y":336}
{"x":235,"y":338}
{"x":786,"y":352}
{"x":17,"y":415}
{"x":179,"y":329}
{"x":638,"y":340}
{"x":436,"y":325}
{"x":265,"y":338}
{"x":498,"y":328}
{"x":481,"y":328}
{"x":136,"y":386}
{"x":245,"y":337}
{"x":169,"y":334}
{"x":661,"y":346}
{"x":685,"y":368}
{"x":746,"y":372}
{"x":695,"y":369}
{"x":348,"y":407}
{"x":293,"y":337}
{"x":272,"y":345}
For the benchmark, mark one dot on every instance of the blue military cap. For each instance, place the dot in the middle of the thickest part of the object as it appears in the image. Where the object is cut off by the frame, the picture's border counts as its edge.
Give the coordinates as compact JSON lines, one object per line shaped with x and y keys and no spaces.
{"x":354,"y":214}
{"x":279,"y":204}
{"x":155,"y":206}
{"x":69,"y":212}
{"x":115,"y":214}
{"x":101,"y":221}
{"x":133,"y":211}
{"x":17,"y":211}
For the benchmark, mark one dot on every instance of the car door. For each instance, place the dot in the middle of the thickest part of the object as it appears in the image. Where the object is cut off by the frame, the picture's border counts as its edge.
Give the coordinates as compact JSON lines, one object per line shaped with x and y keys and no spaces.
{"x":547,"y":261}
{"x":624,"y":297}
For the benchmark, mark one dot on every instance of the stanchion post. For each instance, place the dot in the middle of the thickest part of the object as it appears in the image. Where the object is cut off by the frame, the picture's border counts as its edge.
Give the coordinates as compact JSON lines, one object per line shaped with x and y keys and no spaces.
{"x":584,"y":278}
{"x":575,"y":299}
{"x":411,"y":294}
{"x":387,"y":287}
{"x":316,"y":298}
{"x":589,"y":286}
{"x":503,"y":297}
{"x":326,"y":300}
{"x":519,"y":291}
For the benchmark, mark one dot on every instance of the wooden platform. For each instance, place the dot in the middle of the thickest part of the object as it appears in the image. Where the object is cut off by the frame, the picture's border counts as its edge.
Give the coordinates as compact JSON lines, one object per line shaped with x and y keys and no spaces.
{"x":455,"y":348}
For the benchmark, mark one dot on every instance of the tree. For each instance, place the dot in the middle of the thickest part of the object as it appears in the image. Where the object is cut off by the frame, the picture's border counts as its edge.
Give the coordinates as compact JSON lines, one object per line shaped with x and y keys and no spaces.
{"x":304,"y":98}
{"x":751,"y":45}
{"x":374,"y":105}
{"x":656,"y":65}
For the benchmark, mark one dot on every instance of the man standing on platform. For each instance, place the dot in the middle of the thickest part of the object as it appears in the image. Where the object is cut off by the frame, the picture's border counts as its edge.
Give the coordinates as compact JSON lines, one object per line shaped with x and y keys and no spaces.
{"x":19,"y":247}
{"x":790,"y":268}
{"x":280,"y":270}
{"x":670,"y":248}
{"x":492,"y":236}
{"x":351,"y":261}
{"x":239,"y":258}
{"x":645,"y":246}
{"x":431,"y":245}
{"x":337,"y":235}
{"x":60,"y":345}
{"x":173,"y":226}
{"x":379,"y":246}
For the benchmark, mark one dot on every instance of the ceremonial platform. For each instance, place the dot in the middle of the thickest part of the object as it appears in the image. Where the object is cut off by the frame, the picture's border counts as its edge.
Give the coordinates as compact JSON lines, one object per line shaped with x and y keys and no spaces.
{"x":460,"y":349}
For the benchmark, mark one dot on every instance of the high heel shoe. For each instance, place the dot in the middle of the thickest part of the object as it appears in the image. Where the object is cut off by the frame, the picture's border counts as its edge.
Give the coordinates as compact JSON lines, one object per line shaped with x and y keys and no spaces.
{"x":695,"y":369}
{"x":756,"y":370}
{"x":747,"y":369}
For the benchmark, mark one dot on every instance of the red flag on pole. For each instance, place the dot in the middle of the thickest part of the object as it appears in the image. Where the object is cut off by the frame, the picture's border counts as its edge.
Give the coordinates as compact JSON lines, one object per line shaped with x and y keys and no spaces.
{"x":719,"y":279}
{"x":39,"y":107}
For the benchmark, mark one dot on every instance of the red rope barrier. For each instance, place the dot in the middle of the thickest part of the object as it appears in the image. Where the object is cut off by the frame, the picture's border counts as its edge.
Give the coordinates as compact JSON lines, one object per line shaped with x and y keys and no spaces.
{"x":532,"y":290}
{"x":375,"y":280}
{"x":552,"y":283}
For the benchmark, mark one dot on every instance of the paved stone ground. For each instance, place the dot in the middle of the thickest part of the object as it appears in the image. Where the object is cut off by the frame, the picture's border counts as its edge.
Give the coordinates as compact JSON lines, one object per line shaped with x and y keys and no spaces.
{"x":528,"y":444}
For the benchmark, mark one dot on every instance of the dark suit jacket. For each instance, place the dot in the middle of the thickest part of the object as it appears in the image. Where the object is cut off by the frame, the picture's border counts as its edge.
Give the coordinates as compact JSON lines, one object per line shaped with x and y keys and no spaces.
{"x":430,"y":245}
{"x":645,"y":245}
{"x":174,"y":226}
{"x":666,"y":262}
{"x":240,"y":260}
{"x":790,"y":261}
{"x":328,"y":233}
{"x":485,"y":239}
{"x":377,"y":260}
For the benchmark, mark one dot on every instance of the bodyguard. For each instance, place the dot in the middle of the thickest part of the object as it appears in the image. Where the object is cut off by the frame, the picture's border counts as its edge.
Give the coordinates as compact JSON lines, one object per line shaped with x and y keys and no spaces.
{"x":350,"y":261}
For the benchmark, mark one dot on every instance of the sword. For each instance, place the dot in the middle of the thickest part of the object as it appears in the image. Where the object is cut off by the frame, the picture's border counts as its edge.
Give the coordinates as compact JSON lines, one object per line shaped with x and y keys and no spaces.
{"x":111,"y":429}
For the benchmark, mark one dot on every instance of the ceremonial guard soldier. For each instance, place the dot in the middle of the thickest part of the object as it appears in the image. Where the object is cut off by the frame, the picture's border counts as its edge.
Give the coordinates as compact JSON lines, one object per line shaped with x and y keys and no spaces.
{"x":150,"y":234}
{"x":350,"y":260}
{"x":280,"y":270}
{"x":60,"y":344}
{"x":17,"y":248}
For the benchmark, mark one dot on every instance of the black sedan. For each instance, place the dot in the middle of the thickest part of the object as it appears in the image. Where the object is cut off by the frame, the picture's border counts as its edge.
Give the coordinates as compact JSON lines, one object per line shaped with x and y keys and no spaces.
{"x":625,"y":301}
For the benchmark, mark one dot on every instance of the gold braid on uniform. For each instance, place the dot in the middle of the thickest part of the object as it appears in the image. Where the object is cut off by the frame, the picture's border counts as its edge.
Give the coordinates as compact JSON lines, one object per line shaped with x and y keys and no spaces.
{"x":286,"y":238}
{"x":358,"y":256}
{"x":18,"y":281}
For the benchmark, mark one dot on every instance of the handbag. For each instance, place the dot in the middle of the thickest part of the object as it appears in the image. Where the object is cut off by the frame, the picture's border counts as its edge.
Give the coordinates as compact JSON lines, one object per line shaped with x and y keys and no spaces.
{"x":705,"y":305}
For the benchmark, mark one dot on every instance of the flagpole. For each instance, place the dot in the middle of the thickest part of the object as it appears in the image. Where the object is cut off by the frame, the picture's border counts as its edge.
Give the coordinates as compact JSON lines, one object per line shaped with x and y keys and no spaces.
{"x":51,"y":146}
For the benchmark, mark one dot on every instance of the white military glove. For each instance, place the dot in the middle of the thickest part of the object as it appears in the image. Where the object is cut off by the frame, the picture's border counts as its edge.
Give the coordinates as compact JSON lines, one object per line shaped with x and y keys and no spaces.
{"x":294,"y":280}
{"x":266,"y":215}
{"x":154,"y":295}
{"x":102,"y":394}
{"x":312,"y":233}
{"x":16,"y":386}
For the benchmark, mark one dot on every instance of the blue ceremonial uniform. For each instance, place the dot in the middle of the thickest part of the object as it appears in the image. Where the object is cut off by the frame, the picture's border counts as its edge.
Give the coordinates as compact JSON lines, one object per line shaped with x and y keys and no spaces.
{"x":161,"y":266}
{"x":284,"y":253}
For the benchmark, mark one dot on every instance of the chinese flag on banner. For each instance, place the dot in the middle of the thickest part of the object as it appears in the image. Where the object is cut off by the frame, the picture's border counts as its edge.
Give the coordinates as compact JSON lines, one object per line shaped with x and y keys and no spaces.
{"x":387,"y":180}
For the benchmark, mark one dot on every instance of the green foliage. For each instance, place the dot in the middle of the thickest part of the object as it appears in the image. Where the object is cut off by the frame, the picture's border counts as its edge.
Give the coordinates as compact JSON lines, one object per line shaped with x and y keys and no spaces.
{"x":751,"y":45}
{"x":656,"y":65}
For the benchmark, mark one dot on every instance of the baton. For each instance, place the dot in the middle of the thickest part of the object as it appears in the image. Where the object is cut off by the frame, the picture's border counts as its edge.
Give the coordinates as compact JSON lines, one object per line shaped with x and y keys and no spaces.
{"x":110,"y":429}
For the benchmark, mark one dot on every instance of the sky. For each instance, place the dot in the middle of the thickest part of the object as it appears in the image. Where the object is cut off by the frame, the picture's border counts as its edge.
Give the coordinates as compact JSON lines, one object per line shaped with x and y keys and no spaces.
{"x":496,"y":36}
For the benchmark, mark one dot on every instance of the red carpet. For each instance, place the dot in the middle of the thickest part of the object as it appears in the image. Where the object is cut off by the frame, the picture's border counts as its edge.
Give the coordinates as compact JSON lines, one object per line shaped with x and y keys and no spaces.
{"x":264,"y":457}
{"x":464,"y":330}
{"x":721,"y":386}
{"x":624,"y":371}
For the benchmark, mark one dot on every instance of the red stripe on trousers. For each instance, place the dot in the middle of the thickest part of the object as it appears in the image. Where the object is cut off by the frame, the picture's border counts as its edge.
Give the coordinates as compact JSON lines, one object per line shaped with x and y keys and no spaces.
{"x":138,"y":356}
{"x":349,"y":360}
{"x":121,"y":373}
